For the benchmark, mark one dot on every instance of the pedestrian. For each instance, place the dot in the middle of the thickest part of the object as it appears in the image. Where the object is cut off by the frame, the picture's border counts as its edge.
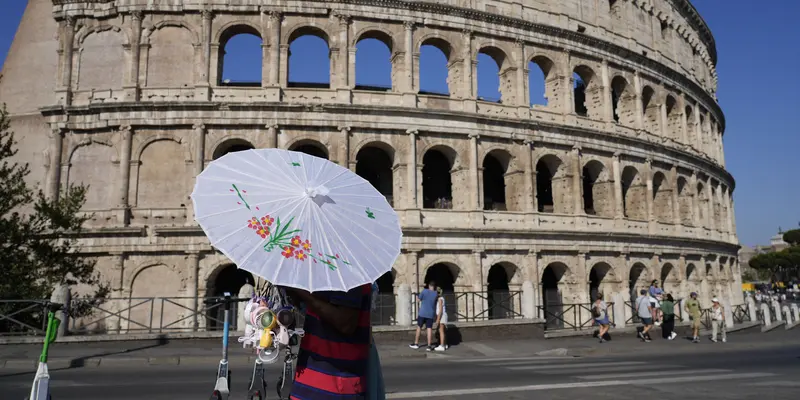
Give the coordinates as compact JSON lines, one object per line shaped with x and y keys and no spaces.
{"x":645,"y":311}
{"x":426,"y":315}
{"x":441,"y":321}
{"x":600,"y":313}
{"x":655,"y":293}
{"x":692,"y":307}
{"x":336,"y":343}
{"x":718,"y":321}
{"x":668,"y":324}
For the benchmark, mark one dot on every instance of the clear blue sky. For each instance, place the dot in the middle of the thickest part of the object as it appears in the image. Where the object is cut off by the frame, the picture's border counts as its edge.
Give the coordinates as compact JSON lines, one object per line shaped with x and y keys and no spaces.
{"x":757,"y":46}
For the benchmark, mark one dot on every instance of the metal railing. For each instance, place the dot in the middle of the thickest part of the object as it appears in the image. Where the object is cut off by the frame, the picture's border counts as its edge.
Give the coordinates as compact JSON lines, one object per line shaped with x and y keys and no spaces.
{"x":571,"y":316}
{"x":23,"y":317}
{"x":478,"y":306}
{"x":741,"y":314}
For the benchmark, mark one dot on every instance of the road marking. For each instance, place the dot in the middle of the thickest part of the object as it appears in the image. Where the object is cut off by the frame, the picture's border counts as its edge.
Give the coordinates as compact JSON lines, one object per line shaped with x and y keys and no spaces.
{"x":576,"y":365}
{"x":485,"y":350}
{"x":776,"y":384}
{"x":654,"y":373}
{"x":629,"y":368}
{"x":572,"y":385}
{"x":534,"y":358}
{"x":528,"y":362}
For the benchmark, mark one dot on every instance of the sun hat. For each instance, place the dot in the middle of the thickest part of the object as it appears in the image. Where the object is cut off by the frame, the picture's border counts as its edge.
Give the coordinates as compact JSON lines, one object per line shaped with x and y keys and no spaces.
{"x":715,"y":300}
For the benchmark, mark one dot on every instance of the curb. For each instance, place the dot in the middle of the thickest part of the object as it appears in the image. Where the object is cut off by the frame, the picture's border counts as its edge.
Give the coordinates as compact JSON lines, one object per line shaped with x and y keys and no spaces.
{"x":768,"y":328}
{"x":792,"y":325}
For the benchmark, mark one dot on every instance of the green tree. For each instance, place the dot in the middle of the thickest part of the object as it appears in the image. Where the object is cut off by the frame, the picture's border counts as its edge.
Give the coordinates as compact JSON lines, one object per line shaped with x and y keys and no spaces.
{"x":792,"y":237}
{"x":39,"y":247}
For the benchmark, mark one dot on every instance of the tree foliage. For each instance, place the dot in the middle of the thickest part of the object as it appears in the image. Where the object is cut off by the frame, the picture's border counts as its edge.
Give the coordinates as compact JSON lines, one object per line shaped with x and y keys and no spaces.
{"x":38,"y":235}
{"x":792,"y":237}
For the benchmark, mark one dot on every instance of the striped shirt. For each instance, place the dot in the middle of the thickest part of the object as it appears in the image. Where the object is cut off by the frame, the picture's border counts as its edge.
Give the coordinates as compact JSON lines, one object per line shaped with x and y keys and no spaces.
{"x":331,"y":365}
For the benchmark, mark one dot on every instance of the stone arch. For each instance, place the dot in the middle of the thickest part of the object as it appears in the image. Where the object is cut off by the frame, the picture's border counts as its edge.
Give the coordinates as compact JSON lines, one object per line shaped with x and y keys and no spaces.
{"x":440,"y":270}
{"x":173,"y":23}
{"x":224,"y":36}
{"x":702,"y":205}
{"x":101,"y":57}
{"x":503,"y":185}
{"x":634,"y":192}
{"x":692,"y":274}
{"x":309,"y":146}
{"x":685,"y":201}
{"x":225,"y":278}
{"x":674,"y":120}
{"x":601,"y":277}
{"x":451,"y":70}
{"x":230,"y":145}
{"x":651,"y":110}
{"x":150,"y":281}
{"x":375,"y":32}
{"x":587,"y":92}
{"x":88,"y":163}
{"x":669,"y":278}
{"x":154,"y":188}
{"x":443,"y":42}
{"x":506,"y":78}
{"x":82,"y":34}
{"x":500,"y":302}
{"x":374,"y":162}
{"x":638,"y":278}
{"x":691,"y":126}
{"x":552,"y":185}
{"x":170,"y":58}
{"x":136,"y":155}
{"x":314,"y":30}
{"x":548,"y":82}
{"x":552,"y":297}
{"x":306,"y":28}
{"x":623,"y":101}
{"x":662,"y":198}
{"x":598,"y":189}
{"x":438,"y":165}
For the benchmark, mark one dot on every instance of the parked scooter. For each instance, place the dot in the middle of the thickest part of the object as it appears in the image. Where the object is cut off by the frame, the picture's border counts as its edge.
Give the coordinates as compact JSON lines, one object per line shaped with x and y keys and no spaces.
{"x":222,"y":386}
{"x":41,"y":381}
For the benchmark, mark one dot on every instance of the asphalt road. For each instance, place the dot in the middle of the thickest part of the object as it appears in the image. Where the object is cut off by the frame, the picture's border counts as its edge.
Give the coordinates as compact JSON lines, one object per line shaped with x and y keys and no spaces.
{"x":735,"y":374}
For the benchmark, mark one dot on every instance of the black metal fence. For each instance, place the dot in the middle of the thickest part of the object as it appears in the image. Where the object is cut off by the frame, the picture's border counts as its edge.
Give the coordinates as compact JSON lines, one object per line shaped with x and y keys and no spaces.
{"x":478,"y":306}
{"x":571,"y":316}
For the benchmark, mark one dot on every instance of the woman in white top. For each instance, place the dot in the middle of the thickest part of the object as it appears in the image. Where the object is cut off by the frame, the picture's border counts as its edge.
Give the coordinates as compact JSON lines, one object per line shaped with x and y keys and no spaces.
{"x":441,"y":320}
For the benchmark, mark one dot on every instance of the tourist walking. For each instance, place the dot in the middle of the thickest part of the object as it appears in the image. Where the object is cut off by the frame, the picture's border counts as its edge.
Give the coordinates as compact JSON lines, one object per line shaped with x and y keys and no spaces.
{"x":668,"y":324}
{"x":718,"y":321}
{"x":645,"y":311}
{"x":692,"y":307}
{"x":600,"y":313}
{"x":441,"y":321}
{"x":426,"y":315}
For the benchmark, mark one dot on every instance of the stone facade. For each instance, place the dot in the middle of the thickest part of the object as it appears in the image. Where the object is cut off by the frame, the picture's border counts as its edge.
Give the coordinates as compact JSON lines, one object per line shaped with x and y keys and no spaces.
{"x":617,"y":181}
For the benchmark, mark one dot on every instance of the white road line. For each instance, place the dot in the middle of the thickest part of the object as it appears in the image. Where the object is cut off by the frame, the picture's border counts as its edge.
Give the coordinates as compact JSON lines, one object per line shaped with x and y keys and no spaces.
{"x":576,"y":365}
{"x":777,"y":384}
{"x":572,"y":385}
{"x":628,"y":368}
{"x":654,"y":373}
{"x":533,"y":358}
{"x":529,"y":362}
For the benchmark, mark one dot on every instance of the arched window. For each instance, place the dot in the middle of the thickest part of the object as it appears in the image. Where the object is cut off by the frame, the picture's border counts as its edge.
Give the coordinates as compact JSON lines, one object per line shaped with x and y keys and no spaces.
{"x":542,"y":84}
{"x":445,"y":275}
{"x":623,"y":102}
{"x":652,"y":111}
{"x":240,"y":58}
{"x":702,"y":205}
{"x":634,"y":194}
{"x":500,"y":301}
{"x":691,"y":126}
{"x":685,"y":202}
{"x":673,"y":119}
{"x":598,"y":198}
{"x":552,"y":299}
{"x":437,"y":187}
{"x":494,"y":185}
{"x":309,"y":59}
{"x":587,"y":93}
{"x":550,"y":185}
{"x":434,"y":56}
{"x":374,"y":62}
{"x":375,"y":165}
{"x":231,"y":146}
{"x":311,"y":148}
{"x":662,"y":198}
{"x":490,"y":62}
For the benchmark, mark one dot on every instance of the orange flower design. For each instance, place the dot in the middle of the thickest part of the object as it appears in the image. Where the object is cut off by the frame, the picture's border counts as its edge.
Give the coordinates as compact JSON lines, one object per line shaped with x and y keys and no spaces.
{"x":288,"y":252}
{"x":300,"y":255}
{"x":267,"y":221}
{"x":307,"y":245}
{"x":252,"y":223}
{"x":263,"y":232}
{"x":296,"y":241}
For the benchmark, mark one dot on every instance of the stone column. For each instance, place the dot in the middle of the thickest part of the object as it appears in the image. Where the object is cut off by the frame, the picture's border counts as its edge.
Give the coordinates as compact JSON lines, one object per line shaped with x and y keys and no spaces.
{"x":272,"y":136}
{"x":205,"y":71}
{"x":403,"y":306}
{"x":408,"y":59}
{"x":648,"y":172}
{"x":275,"y":47}
{"x":193,"y":263}
{"x":698,"y":130}
{"x":467,"y":91}
{"x":342,"y":54}
{"x":729,"y":218}
{"x":664,"y":120}
{"x":698,"y":222}
{"x":199,"y":147}
{"x":124,"y":174}
{"x":710,"y":213}
{"x":54,"y":173}
{"x":132,"y":86}
{"x":474,"y":171}
{"x":577,"y":181}
{"x":344,"y":150}
{"x":522,"y":94}
{"x":483,"y":305}
{"x":413,"y":198}
{"x":684,"y":121}
{"x":413,"y":270}
{"x":67,"y":55}
{"x":617,"y":187}
{"x":608,"y":110}
{"x":676,"y":209}
{"x":751,"y":308}
{"x":116,"y":287}
{"x":530,"y":176}
{"x":569,"y":102}
{"x":637,"y":85}
{"x":62,"y":295}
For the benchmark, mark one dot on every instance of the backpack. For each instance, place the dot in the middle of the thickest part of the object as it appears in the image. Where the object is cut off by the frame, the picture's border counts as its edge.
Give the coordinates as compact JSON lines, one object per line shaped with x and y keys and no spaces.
{"x":596,"y":311}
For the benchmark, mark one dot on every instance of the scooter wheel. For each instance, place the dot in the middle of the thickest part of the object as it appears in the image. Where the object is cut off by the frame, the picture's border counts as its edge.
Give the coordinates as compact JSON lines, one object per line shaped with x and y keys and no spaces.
{"x":216,"y":395}
{"x":256,"y":395}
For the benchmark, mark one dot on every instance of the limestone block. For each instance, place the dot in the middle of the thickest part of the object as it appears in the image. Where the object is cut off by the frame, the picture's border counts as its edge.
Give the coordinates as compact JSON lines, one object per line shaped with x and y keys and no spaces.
{"x":403,"y":307}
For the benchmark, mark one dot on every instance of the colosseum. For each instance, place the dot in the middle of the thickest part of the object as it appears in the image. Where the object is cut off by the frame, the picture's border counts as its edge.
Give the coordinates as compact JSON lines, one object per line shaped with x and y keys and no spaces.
{"x":617,"y":178}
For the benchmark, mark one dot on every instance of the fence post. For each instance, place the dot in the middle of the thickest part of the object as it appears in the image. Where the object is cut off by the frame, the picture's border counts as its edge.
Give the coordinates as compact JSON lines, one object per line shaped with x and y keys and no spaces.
{"x":796,"y":311}
{"x":777,"y":307}
{"x":619,"y":310}
{"x":403,"y":305}
{"x":61,"y":295}
{"x":528,"y":308}
{"x":246,"y":292}
{"x":788,"y":315}
{"x":729,"y":321}
{"x":751,"y":308}
{"x":765,"y":314}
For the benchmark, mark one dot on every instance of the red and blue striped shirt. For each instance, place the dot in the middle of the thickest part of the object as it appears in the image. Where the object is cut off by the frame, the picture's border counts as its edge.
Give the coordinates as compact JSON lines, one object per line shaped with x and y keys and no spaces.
{"x":330,"y":365}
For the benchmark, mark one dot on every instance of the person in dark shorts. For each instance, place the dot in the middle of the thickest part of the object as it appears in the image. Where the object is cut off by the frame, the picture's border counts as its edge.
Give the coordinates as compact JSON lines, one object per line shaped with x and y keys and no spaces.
{"x":645,"y":312}
{"x":600,"y":310}
{"x":427,"y":314}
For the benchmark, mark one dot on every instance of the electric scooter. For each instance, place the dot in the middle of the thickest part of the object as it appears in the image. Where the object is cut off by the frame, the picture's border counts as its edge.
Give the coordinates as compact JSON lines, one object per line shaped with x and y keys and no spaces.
{"x":41,"y":382}
{"x":222,"y":387}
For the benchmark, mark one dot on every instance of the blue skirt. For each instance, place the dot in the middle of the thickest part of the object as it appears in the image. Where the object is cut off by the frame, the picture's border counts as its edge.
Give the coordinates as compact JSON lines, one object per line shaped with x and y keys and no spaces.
{"x":375,"y":389}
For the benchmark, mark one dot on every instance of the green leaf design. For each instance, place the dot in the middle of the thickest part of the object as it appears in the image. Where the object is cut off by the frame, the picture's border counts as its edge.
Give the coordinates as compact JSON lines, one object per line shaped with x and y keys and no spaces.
{"x":370,"y":214}
{"x":295,"y":164}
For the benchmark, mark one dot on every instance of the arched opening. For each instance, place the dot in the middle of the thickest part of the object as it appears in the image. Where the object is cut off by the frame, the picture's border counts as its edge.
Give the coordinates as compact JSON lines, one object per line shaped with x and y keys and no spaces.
{"x":549,"y":185}
{"x":375,"y":165}
{"x":490,"y":71}
{"x":309,"y":63}
{"x":598,"y":277}
{"x":494,"y":185}
{"x":702,"y":205}
{"x":374,"y":62}
{"x":231,"y":146}
{"x":674,"y":121}
{"x":623,"y":102}
{"x":227,"y":279}
{"x":501,"y":303}
{"x":311,"y":148}
{"x":637,"y":280}
{"x":669,"y":279}
{"x":716,"y":216}
{"x":437,"y":187}
{"x":598,"y":191}
{"x":634,"y":192}
{"x":385,"y":304}
{"x":587,"y":94}
{"x":552,"y":302}
{"x":542,"y":85}
{"x":445,"y":275}
{"x":652,"y":111}
{"x":662,"y":198}
{"x":685,"y":202}
{"x":691,"y":126}
{"x":240,"y":58}
{"x":434,"y":78}
{"x":691,"y":273}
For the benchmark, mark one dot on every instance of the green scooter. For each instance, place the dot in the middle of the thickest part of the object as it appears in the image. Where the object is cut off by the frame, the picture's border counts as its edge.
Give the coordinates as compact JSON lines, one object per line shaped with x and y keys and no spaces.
{"x":41,"y":382}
